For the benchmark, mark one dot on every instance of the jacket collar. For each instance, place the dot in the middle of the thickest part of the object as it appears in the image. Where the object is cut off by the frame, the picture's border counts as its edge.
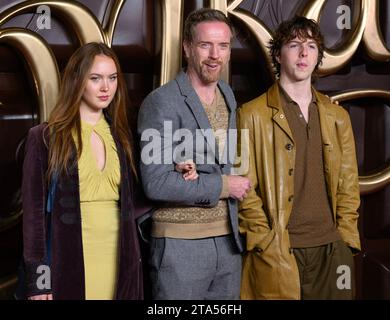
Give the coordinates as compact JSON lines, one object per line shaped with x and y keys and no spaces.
{"x":192,"y":100}
{"x":274,"y":101}
{"x":326,"y":114}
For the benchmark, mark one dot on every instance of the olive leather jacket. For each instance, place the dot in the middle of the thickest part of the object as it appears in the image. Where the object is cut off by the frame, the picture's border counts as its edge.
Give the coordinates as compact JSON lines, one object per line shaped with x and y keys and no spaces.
{"x":269,"y":267}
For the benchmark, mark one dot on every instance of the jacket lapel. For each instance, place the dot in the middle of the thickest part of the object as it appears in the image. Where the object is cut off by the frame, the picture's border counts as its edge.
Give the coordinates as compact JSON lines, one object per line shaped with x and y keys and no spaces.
{"x":279,"y":117}
{"x":229,"y":152}
{"x":193,"y":102}
{"x":327,"y":117}
{"x":229,"y":98}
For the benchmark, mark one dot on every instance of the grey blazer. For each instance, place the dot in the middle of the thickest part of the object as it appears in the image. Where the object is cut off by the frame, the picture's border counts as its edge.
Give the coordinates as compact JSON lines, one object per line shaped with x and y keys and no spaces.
{"x":172,"y":121}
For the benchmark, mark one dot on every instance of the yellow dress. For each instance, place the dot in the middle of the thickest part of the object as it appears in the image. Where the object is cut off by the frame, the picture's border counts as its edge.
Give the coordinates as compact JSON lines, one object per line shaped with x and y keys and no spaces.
{"x":99,"y":196}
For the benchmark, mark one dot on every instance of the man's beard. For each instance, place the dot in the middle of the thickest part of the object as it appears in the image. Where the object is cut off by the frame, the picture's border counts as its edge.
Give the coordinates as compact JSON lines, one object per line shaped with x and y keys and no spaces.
{"x":212,"y":76}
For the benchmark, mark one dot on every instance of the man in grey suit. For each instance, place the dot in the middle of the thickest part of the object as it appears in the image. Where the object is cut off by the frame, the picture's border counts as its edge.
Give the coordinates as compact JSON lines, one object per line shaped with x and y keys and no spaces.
{"x":195,"y":244}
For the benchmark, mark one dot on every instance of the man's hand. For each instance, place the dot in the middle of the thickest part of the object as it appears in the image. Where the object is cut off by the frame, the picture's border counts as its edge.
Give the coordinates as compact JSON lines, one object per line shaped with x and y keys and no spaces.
{"x":238,"y":187}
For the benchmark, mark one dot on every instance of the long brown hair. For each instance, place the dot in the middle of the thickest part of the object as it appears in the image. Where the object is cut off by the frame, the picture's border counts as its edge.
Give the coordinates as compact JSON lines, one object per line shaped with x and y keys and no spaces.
{"x":65,"y":117}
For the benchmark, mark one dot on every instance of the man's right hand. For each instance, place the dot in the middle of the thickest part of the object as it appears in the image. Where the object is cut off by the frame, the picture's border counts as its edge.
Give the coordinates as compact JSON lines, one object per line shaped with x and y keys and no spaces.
{"x":238,"y":187}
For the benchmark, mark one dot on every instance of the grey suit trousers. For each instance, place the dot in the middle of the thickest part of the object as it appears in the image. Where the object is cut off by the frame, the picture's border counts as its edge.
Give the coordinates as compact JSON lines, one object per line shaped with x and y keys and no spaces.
{"x":199,"y":269}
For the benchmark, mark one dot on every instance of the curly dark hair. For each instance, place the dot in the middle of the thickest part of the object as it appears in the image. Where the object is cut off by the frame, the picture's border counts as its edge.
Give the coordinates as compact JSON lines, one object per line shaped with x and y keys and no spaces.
{"x":300,"y":27}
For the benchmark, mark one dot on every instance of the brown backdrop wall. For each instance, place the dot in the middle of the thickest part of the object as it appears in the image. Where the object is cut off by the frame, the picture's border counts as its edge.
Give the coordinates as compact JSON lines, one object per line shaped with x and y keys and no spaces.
{"x":146,"y":36}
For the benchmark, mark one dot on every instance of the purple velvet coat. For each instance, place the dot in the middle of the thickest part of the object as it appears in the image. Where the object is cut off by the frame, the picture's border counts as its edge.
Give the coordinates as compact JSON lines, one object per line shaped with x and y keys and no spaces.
{"x":67,"y":265}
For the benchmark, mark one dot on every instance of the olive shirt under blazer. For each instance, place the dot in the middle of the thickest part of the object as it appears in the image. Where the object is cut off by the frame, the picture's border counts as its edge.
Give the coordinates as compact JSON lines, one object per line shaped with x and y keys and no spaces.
{"x":67,"y":265}
{"x":269,"y":267}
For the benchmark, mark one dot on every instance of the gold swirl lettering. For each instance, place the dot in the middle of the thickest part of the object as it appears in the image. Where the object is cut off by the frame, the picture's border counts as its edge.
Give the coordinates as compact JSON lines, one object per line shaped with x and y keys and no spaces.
{"x":377,"y":181}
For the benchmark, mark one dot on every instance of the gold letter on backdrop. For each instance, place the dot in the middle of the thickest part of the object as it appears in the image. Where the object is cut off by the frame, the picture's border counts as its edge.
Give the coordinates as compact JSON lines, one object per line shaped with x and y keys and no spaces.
{"x":38,"y":53}
{"x":372,"y":37}
{"x":45,"y":74}
{"x":171,"y":47}
{"x":367,"y":30}
{"x":258,"y":29}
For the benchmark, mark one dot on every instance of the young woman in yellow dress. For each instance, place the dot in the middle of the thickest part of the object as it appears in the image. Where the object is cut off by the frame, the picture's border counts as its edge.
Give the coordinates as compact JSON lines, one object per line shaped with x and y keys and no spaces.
{"x":87,"y":247}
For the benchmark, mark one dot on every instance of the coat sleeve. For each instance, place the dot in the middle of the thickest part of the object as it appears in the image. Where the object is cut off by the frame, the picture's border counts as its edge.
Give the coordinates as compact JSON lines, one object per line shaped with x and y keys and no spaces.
{"x":348,"y":194}
{"x":159,"y":179}
{"x":34,"y":195}
{"x":254,"y":223}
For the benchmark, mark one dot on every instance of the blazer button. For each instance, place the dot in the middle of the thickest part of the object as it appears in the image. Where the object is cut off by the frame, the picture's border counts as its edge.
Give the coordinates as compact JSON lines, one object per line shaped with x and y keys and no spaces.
{"x":290,"y":172}
{"x":290,"y":198}
{"x":289,"y":146}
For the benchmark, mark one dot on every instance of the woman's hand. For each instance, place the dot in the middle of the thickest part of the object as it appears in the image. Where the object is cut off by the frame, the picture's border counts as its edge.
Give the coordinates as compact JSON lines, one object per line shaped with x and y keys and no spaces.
{"x":188,"y":168}
{"x":41,"y":297}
